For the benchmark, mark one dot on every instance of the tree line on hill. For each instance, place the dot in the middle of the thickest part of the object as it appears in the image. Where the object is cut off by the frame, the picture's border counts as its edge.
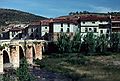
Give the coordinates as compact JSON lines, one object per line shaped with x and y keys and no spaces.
{"x":94,"y":13}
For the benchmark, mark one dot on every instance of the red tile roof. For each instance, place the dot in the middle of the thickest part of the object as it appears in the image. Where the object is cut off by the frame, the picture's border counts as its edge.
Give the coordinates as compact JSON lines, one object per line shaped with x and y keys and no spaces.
{"x":35,"y":23}
{"x":46,"y":22}
{"x":115,"y":18}
{"x":65,"y":20}
{"x":94,"y":18}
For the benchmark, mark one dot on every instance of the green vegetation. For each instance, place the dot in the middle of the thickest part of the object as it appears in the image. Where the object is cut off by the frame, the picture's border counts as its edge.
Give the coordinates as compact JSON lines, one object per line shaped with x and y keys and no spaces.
{"x":23,"y":73}
{"x":88,"y":44}
{"x":86,"y":68}
{"x":10,"y":15}
{"x":93,"y":13}
{"x":85,"y":58}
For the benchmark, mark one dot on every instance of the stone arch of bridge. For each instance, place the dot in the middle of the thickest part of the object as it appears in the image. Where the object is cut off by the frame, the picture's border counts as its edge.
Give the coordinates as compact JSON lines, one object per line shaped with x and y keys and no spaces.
{"x":6,"y":57}
{"x":33,"y":51}
{"x":21,"y":52}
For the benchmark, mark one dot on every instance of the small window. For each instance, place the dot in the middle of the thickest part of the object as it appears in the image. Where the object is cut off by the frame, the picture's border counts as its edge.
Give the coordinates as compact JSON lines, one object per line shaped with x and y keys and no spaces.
{"x":95,"y":29}
{"x":86,"y":30}
{"x":68,"y":30}
{"x":68,"y":24}
{"x":83,"y":22}
{"x":61,"y":30}
{"x":101,"y":21}
{"x":90,"y":29}
{"x":37,"y":30}
{"x":93,"y":22}
{"x":45,"y":27}
{"x":31,"y":30}
{"x":107,"y":31}
{"x":101,"y":31}
{"x":13,"y":33}
{"x":61,"y":24}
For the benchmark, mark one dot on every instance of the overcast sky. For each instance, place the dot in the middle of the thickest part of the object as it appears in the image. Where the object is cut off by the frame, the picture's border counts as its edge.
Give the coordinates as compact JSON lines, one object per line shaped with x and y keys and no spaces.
{"x":55,"y":8}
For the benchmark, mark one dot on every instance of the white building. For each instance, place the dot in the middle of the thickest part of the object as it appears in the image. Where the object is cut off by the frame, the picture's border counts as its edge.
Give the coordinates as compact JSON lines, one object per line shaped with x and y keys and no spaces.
{"x":68,"y":26}
{"x":45,"y":27}
{"x":96,"y":24}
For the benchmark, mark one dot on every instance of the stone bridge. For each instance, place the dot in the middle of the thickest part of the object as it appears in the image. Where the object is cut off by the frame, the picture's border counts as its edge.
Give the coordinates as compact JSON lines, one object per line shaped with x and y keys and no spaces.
{"x":12,"y":51}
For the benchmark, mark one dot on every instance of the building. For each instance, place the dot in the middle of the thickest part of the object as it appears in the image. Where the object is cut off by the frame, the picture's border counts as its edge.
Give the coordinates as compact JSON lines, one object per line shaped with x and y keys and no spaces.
{"x":33,"y":31}
{"x":62,"y":25}
{"x":96,"y":24}
{"x":115,"y":21}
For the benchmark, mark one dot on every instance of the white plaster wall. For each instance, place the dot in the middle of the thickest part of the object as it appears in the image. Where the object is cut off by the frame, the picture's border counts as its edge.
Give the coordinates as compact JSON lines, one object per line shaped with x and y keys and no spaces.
{"x":43,"y":30}
{"x":83,"y":29}
{"x":89,"y":23}
{"x":57,"y":27}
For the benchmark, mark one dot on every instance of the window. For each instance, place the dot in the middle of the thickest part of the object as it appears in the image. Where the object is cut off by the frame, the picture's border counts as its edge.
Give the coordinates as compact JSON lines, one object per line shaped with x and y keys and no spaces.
{"x":101,"y":21}
{"x":37,"y":30}
{"x":86,"y":30}
{"x":101,"y":31}
{"x":61,"y":30}
{"x":45,"y":27}
{"x":68,"y":24}
{"x":93,"y":22}
{"x":107,"y":31}
{"x":90,"y":29}
{"x":13,"y":33}
{"x":68,"y":30}
{"x":83,"y":22}
{"x":31,"y":30}
{"x":95,"y":29}
{"x":61,"y":24}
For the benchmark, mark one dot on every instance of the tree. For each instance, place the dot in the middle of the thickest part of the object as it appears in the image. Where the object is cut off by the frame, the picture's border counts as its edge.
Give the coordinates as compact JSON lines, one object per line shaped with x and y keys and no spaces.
{"x":63,"y":43}
{"x":101,"y":44}
{"x":76,"y":43}
{"x":23,"y":72}
{"x":115,"y":42}
{"x":88,"y":43}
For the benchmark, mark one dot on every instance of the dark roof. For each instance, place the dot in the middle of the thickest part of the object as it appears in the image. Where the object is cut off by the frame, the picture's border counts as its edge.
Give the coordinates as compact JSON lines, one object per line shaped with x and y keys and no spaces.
{"x":94,"y":18}
{"x":115,"y":18}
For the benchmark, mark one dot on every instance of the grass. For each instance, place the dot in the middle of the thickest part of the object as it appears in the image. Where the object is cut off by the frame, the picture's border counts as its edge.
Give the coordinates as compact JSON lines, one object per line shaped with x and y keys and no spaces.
{"x":84,"y":68}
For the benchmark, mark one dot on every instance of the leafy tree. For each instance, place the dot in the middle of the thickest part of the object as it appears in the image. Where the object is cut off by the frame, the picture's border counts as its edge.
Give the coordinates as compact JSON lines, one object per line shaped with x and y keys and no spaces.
{"x":101,"y":44}
{"x":63,"y":43}
{"x":76,"y":42}
{"x":88,"y":43}
{"x":23,"y":72}
{"x":115,"y":42}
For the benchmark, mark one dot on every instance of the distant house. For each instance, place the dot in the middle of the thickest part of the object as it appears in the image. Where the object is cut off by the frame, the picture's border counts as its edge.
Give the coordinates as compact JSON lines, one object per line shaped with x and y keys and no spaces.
{"x":115,"y":20}
{"x":61,"y":25}
{"x":96,"y":24}
{"x":33,"y":31}
{"x":16,"y":33}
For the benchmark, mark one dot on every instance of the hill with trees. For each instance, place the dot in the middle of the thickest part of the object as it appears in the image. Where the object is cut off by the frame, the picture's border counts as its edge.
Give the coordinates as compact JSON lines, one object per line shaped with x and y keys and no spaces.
{"x":10,"y":15}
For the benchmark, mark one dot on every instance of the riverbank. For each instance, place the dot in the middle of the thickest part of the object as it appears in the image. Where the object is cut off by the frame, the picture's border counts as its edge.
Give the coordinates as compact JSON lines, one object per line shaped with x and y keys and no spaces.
{"x":83,"y":68}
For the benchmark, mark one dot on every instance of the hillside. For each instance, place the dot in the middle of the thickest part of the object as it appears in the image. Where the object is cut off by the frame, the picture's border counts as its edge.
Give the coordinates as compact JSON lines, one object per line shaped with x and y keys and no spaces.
{"x":10,"y":15}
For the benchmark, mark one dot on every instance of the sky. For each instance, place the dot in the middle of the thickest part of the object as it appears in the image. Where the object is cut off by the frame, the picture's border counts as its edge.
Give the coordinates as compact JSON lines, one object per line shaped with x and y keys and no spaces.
{"x":55,"y":8}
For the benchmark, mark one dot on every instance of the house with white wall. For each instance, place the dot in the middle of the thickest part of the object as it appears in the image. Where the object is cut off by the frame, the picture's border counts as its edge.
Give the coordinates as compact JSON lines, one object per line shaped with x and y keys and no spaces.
{"x":96,"y":24}
{"x":33,"y":31}
{"x":61,"y":25}
{"x":115,"y":23}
